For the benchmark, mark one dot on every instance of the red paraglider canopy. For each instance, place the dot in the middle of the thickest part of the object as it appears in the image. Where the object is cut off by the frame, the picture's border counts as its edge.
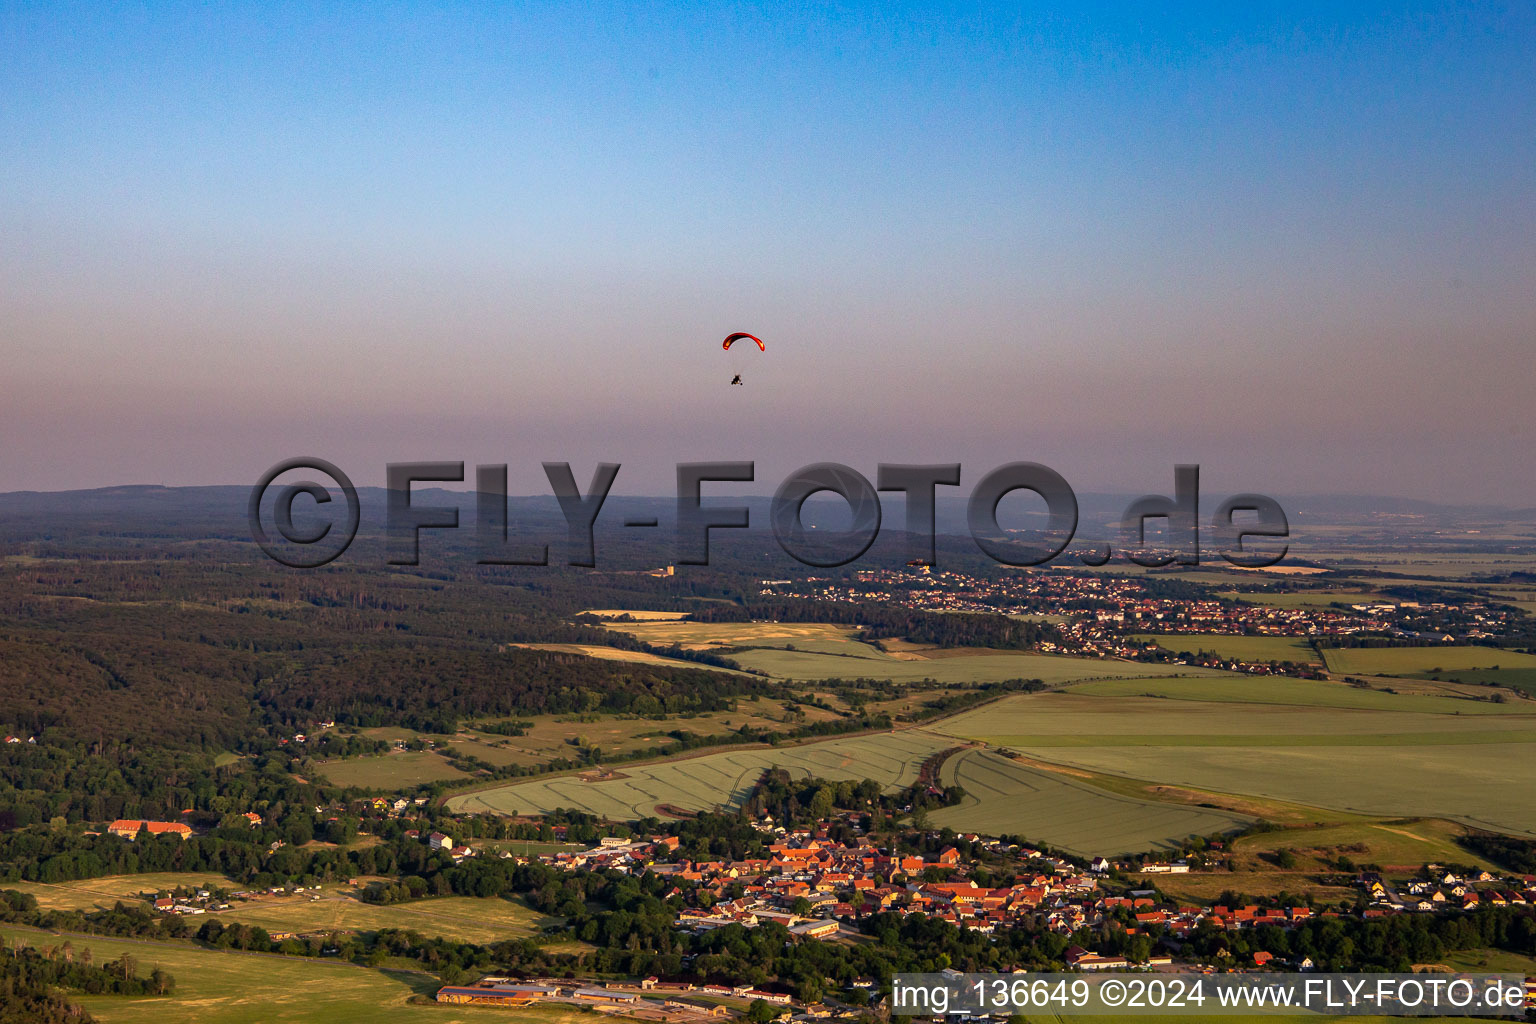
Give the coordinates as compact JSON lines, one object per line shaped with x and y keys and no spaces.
{"x":738,"y":336}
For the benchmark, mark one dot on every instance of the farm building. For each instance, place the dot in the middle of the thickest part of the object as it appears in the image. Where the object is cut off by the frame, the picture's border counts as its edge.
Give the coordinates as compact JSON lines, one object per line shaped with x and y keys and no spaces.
{"x":497,"y":995}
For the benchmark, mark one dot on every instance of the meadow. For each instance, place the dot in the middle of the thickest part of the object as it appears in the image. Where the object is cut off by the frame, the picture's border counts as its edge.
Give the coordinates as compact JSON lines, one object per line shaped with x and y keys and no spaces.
{"x":812,"y":651}
{"x":1320,"y":744}
{"x":400,"y":770}
{"x":102,"y":893}
{"x":462,"y":918}
{"x":1468,"y":664}
{"x":701,"y":782}
{"x":229,"y":987}
{"x":547,"y":736}
{"x":619,"y":654}
{"x":1399,"y":844}
{"x":1004,"y":796}
{"x":1240,"y":648}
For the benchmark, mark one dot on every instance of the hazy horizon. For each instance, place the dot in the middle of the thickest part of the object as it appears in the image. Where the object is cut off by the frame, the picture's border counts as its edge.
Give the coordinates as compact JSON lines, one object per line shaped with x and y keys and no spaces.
{"x":1298,"y":249}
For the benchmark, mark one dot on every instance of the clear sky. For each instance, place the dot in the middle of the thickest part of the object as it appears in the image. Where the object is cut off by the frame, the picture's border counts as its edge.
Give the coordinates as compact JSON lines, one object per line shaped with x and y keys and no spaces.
{"x":1293,"y":243}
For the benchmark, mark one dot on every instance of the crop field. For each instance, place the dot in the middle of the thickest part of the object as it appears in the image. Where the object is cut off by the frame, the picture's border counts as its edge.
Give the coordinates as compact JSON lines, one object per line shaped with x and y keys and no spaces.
{"x":1320,"y":744}
{"x":403,"y":770}
{"x":1423,"y":661}
{"x":638,"y":615}
{"x":1004,"y":796}
{"x":702,"y":782}
{"x":1241,"y":648}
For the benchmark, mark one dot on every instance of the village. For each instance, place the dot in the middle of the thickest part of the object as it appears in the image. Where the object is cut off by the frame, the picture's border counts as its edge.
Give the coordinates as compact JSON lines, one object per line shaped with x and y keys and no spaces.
{"x":1101,"y":615}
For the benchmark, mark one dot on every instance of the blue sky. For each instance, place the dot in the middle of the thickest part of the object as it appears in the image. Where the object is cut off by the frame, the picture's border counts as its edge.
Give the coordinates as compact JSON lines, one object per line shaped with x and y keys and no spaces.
{"x":1290,"y":243}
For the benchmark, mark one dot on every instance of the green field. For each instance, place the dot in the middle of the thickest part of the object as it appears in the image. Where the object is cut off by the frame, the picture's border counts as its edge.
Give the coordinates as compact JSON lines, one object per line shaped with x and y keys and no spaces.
{"x":1320,"y":744}
{"x":1236,"y":689}
{"x":1240,"y":648}
{"x":547,"y":736}
{"x":1006,"y":797}
{"x":1422,"y":661}
{"x":1401,"y":844}
{"x":102,"y":893}
{"x":822,"y":651}
{"x":1522,"y":679}
{"x":403,"y":770}
{"x":226,"y":987}
{"x":702,"y":782}
{"x":962,"y":668}
{"x":464,"y":918}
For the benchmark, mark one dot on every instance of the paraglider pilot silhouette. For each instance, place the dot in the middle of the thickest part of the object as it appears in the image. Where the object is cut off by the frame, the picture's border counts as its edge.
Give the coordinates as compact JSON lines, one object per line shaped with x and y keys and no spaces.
{"x":737,"y":337}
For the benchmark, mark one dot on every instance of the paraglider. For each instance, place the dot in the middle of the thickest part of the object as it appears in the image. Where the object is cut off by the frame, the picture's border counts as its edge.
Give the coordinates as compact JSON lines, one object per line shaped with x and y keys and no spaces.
{"x":730,"y":339}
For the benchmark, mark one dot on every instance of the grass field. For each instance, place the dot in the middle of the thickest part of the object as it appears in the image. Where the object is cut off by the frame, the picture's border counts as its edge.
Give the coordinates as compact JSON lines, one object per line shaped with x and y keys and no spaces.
{"x":1320,"y":744}
{"x":1490,"y":961}
{"x":708,"y":780}
{"x":102,"y":893}
{"x":1241,"y":648}
{"x":1522,"y":679}
{"x":1004,"y":796}
{"x":403,"y":770}
{"x":464,"y":918}
{"x":226,"y":987}
{"x":1398,"y":844}
{"x":823,"y":651}
{"x":1422,"y":661}
{"x":706,"y":635}
{"x":547,"y":735}
{"x":1235,"y":689}
{"x":962,"y":668}
{"x":607,"y":653}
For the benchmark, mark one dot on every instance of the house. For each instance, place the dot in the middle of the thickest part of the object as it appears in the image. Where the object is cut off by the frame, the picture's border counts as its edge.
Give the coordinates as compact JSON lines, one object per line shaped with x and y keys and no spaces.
{"x":254,"y":818}
{"x":1261,"y":958}
{"x":439,"y":841}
